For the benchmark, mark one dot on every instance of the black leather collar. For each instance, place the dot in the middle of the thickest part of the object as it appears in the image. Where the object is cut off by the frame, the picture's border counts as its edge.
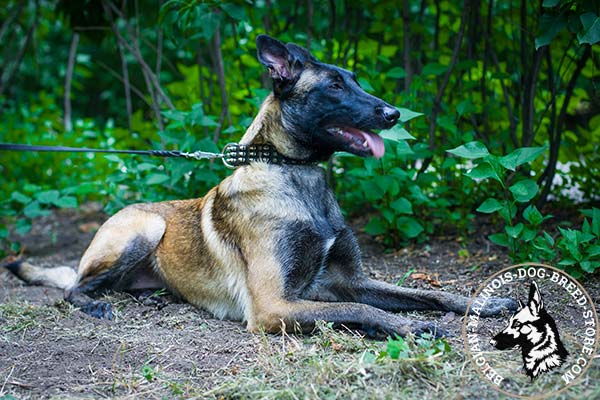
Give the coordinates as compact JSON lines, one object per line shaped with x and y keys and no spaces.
{"x":235,"y":155}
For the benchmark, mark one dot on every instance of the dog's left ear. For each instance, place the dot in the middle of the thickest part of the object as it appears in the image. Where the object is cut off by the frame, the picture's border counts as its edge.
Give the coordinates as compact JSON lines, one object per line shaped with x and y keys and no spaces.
{"x":535,"y":299}
{"x":285,"y":62}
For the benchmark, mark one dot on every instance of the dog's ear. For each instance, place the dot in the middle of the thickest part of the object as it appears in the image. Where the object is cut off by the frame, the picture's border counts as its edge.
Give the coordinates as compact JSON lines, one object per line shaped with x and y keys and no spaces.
{"x":535,"y":299}
{"x":300,"y":54}
{"x":285,"y":62}
{"x":275,"y":56}
{"x":521,"y":305}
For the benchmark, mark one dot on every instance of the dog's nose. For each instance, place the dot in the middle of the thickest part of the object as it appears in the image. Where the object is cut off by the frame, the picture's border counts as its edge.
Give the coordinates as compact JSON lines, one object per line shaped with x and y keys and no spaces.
{"x":390,"y":114}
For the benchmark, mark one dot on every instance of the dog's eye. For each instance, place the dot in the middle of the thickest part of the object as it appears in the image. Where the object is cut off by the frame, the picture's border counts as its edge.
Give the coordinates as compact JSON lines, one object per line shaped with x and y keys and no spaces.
{"x":336,"y":86}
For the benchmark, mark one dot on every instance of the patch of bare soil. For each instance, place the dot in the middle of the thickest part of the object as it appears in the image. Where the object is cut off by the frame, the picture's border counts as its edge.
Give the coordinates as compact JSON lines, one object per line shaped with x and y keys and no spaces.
{"x":48,"y":349}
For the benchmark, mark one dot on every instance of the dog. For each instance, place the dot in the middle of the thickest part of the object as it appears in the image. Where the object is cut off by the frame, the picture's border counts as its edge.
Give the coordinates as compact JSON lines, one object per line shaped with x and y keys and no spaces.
{"x":268,"y":245}
{"x":533,"y":330}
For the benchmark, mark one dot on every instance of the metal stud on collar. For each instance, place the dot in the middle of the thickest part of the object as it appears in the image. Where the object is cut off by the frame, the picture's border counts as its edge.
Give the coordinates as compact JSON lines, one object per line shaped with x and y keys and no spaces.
{"x":235,"y":155}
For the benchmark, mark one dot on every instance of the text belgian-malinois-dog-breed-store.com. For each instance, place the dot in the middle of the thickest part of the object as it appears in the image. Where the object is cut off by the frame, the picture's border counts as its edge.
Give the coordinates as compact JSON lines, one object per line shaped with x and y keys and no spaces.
{"x":268,"y":245}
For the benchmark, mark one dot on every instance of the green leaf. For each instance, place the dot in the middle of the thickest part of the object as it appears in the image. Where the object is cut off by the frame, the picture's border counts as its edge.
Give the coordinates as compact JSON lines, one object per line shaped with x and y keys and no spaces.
{"x":433,"y":69}
{"x":489,"y":206}
{"x":550,"y":3}
{"x":383,"y":182}
{"x":403,"y":149}
{"x":31,"y":188}
{"x":483,"y":171}
{"x":208,"y":121}
{"x":402,"y":206}
{"x":396,"y":133}
{"x":585,"y":227}
{"x":389,"y":215}
{"x":524,"y":190}
{"x":588,"y":266}
{"x":567,"y":261}
{"x":20,"y":197}
{"x":234,"y":11}
{"x":532,"y":215}
{"x":471,"y":150}
{"x":407,"y":115}
{"x":593,"y":251}
{"x":365,"y":85}
{"x":514,"y":231}
{"x":409,"y":227}
{"x":464,"y":107}
{"x":33,"y":210}
{"x":396,"y":348}
{"x":396,"y":73}
{"x":528,"y":234}
{"x":156,"y":179}
{"x":501,"y":239}
{"x":48,"y":196}
{"x":113,"y":158}
{"x":596,"y":221}
{"x":376,"y":226}
{"x":591,"y":29}
{"x":521,"y":156}
{"x":145,"y":166}
{"x":549,"y":238}
{"x":66,"y":202}
{"x":508,"y":212}
{"x":371,"y":190}
{"x":83,"y":188}
{"x":550,"y":26}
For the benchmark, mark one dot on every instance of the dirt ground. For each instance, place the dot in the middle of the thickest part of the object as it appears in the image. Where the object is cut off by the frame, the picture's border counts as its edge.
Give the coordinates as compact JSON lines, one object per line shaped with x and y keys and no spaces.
{"x":50,"y":350}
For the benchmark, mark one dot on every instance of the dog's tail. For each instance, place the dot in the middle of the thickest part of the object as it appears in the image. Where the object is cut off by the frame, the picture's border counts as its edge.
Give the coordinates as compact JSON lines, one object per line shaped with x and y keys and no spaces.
{"x":59,"y":277}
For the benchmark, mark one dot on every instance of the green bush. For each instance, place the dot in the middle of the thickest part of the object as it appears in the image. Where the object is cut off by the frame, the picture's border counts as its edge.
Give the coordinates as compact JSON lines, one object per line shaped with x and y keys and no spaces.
{"x":576,"y":251}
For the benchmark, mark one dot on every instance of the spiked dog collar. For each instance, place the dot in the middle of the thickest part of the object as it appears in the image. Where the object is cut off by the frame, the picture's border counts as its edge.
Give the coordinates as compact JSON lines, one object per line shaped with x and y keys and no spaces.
{"x":235,"y":155}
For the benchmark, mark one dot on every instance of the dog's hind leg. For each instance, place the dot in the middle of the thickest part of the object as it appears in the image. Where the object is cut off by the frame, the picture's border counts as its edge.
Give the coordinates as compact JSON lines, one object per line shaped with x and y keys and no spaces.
{"x":122,"y":248}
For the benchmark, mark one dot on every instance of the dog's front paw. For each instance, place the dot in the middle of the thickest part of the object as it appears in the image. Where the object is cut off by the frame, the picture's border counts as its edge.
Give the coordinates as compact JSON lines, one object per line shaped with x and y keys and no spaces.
{"x":496,"y":306}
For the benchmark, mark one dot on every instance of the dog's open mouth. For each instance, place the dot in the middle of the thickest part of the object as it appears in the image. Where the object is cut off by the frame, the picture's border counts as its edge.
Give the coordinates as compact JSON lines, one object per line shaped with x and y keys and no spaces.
{"x":361,"y":142}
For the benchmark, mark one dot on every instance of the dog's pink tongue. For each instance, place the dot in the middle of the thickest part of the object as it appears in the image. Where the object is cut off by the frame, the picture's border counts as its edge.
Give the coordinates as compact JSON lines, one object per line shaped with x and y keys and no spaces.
{"x":375,"y":143}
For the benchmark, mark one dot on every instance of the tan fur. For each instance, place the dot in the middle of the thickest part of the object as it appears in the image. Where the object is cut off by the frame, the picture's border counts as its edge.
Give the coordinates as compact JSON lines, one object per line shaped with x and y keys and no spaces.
{"x":267,"y":128}
{"x":215,"y":252}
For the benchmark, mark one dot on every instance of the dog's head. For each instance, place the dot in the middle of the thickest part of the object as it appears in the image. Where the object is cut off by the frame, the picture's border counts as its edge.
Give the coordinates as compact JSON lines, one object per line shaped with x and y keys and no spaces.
{"x":526,"y":327}
{"x":322,"y":106}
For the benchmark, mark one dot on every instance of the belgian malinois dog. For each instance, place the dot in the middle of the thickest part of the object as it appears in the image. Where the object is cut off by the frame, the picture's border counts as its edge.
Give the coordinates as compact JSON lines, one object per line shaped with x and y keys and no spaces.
{"x":268,"y":245}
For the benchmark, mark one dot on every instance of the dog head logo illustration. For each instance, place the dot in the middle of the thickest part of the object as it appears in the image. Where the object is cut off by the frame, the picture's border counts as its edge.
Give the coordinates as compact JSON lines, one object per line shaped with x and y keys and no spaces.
{"x":534,"y":331}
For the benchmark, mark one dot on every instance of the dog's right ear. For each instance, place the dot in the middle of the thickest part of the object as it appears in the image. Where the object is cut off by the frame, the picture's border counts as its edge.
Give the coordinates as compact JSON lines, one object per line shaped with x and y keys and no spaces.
{"x":275,"y":56}
{"x":283,"y":65}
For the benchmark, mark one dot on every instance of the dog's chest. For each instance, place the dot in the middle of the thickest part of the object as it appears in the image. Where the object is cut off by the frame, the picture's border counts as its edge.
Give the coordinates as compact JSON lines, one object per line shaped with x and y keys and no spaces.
{"x":295,"y":206}
{"x":304,"y":244}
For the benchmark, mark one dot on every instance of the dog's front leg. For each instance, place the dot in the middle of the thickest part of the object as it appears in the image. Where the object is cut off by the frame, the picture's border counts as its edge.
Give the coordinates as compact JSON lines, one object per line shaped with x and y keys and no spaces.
{"x":274,"y":307}
{"x":301,"y":316}
{"x":345,"y":281}
{"x":395,"y":298}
